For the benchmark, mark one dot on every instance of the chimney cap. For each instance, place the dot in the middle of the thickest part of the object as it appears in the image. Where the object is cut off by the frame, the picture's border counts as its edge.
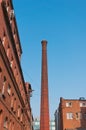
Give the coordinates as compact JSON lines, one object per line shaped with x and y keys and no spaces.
{"x":44,"y":41}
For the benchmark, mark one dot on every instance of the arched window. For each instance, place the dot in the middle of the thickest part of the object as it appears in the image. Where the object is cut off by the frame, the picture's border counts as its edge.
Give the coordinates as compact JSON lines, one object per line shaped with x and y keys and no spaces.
{"x":15,"y":71}
{"x":14,"y":33}
{"x":9,"y":53}
{"x":11,"y":61}
{"x":11,"y":15}
{"x":14,"y":105}
{"x":4,"y":85}
{"x":19,"y":112}
{"x":19,"y":55}
{"x":7,"y":6}
{"x":9,"y":90}
{"x":5,"y":43}
{"x":21,"y":118}
{"x":5,"y":123}
{"x":12,"y":101}
{"x":4,"y":38}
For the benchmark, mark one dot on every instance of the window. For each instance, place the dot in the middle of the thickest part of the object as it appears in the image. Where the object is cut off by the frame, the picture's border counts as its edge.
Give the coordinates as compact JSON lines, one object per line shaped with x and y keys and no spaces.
{"x":69,"y":116}
{"x":68,"y":104}
{"x":21,"y":118}
{"x":52,"y":123}
{"x":85,"y":116}
{"x":37,"y":123}
{"x":14,"y":105}
{"x":4,"y":38}
{"x":11,"y":62}
{"x":14,"y":33}
{"x":52,"y":128}
{"x":12,"y":101}
{"x":82,"y":104}
{"x":19,"y":112}
{"x":9,"y":90}
{"x":8,"y":52}
{"x":7,"y":6}
{"x":4,"y":83}
{"x":6,"y":123}
{"x":11,"y":15}
{"x":78,"y":115}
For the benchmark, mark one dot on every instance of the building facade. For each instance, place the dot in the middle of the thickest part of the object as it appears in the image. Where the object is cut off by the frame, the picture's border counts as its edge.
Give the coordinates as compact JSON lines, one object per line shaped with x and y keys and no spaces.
{"x":36,"y":124}
{"x":15,"y":109}
{"x":71,"y":114}
{"x":52,"y":125}
{"x":56,"y":119}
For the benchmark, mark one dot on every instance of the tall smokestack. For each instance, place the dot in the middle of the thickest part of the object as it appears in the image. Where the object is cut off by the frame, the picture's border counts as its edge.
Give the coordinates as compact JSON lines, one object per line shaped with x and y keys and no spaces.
{"x":44,"y":114}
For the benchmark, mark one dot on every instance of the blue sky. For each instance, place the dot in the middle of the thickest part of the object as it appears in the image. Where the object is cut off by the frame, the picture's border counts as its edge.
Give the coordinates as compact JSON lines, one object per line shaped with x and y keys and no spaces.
{"x":63,"y":24}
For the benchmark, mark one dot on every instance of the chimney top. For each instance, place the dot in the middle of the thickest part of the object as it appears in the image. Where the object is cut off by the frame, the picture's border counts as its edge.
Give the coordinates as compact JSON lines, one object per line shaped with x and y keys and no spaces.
{"x":44,"y":41}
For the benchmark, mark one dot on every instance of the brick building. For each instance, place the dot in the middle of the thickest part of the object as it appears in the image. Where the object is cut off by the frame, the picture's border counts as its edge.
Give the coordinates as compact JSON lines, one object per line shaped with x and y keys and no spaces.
{"x":15,"y":109}
{"x":71,"y":114}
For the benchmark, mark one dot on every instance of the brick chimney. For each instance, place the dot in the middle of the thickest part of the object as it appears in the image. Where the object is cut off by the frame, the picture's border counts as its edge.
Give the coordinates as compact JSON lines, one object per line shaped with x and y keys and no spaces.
{"x":44,"y":114}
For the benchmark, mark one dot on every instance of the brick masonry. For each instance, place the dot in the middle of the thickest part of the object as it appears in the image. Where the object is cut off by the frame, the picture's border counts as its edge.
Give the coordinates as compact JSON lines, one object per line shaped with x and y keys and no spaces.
{"x":71,"y":114}
{"x":15,"y":109}
{"x":44,"y":115}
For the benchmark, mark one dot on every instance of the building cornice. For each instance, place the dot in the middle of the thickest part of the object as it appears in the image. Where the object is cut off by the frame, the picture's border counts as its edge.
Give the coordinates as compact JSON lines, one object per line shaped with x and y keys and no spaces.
{"x":16,"y":27}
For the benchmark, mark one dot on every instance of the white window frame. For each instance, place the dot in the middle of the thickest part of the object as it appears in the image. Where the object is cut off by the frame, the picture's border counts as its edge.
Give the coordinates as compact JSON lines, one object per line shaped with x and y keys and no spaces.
{"x":68,"y":104}
{"x":9,"y":90}
{"x":82,"y":104}
{"x":69,"y":116}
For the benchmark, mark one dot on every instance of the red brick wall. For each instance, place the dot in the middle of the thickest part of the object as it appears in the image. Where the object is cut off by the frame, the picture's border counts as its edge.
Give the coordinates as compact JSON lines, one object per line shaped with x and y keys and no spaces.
{"x":78,"y":119}
{"x":14,"y":113}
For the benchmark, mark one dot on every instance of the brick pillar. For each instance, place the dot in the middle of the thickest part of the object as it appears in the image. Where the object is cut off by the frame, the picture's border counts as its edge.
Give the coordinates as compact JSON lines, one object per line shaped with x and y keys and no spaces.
{"x":44,"y":114}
